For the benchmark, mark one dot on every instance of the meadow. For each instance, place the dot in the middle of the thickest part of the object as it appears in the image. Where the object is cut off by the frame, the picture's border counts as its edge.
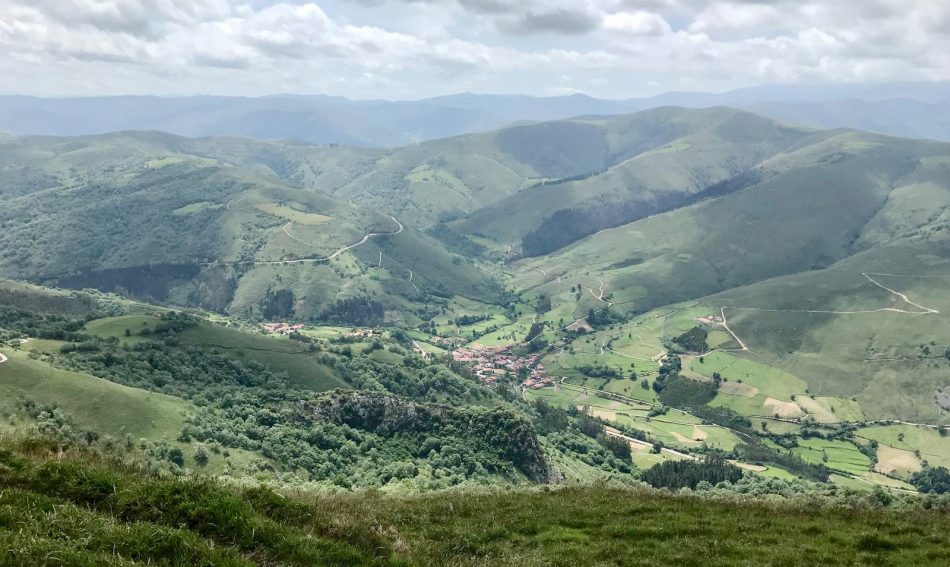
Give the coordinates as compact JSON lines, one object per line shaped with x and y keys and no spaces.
{"x":88,"y":510}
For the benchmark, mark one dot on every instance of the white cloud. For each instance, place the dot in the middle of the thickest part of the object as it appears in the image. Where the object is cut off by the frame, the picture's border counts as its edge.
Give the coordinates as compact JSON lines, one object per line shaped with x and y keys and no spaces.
{"x":637,"y":23}
{"x":402,"y":48}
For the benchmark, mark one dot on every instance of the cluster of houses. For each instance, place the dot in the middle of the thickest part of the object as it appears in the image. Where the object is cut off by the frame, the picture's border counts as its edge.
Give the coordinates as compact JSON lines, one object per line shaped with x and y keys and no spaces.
{"x":492,"y":363}
{"x":282,"y":328}
{"x":365,"y":333}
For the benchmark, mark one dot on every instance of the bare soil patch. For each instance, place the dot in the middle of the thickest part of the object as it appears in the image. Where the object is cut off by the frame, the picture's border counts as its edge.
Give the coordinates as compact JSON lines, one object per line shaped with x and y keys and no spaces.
{"x":891,"y":459}
{"x":816,"y":409}
{"x":682,"y":438}
{"x":604,"y":414}
{"x":749,"y":466}
{"x":738,"y":389}
{"x":782,"y":409}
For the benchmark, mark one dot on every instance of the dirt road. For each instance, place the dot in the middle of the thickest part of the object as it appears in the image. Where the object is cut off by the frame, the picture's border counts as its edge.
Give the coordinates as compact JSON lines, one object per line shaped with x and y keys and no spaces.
{"x":616,"y":433}
{"x":331,"y":256}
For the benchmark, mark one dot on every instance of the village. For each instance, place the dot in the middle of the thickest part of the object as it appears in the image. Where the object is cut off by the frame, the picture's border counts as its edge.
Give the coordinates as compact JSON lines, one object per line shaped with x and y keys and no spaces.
{"x":492,"y":363}
{"x":282,"y":328}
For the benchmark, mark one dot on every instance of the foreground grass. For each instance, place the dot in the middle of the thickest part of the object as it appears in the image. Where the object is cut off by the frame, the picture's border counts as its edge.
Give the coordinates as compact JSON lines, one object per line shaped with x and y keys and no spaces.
{"x":76,"y":509}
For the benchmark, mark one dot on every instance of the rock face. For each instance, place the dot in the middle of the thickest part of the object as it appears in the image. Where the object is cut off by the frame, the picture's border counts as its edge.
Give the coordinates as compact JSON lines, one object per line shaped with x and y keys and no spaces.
{"x":493,"y":430}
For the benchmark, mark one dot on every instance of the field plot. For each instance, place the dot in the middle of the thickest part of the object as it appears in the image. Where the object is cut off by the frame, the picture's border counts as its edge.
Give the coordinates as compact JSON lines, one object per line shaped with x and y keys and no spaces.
{"x":684,"y":318}
{"x":835,"y":454}
{"x":44,"y":345}
{"x":896,"y":461}
{"x":117,"y":327}
{"x":674,"y":428}
{"x":751,"y":388}
{"x":293,"y":214}
{"x":934,"y":448}
{"x":508,"y":332}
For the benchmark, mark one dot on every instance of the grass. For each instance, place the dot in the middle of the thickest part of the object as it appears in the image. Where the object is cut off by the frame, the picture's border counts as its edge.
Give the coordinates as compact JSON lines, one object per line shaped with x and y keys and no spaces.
{"x":293,"y":214}
{"x":934,"y":448}
{"x":83,"y":513}
{"x":116,"y":327}
{"x":95,"y":403}
{"x":280,"y":354}
{"x":835,"y":454}
{"x":84,"y":510}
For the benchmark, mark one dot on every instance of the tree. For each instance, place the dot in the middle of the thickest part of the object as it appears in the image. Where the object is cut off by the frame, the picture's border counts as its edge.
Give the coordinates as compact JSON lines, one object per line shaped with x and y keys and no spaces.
{"x":176,"y":456}
{"x":536,"y":329}
{"x":932,"y":480}
{"x":693,"y":340}
{"x":619,"y":446}
{"x":201,"y":456}
{"x":674,"y":475}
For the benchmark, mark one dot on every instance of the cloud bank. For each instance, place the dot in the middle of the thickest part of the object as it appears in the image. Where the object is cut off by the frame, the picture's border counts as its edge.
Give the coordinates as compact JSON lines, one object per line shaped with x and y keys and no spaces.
{"x":418,"y":48}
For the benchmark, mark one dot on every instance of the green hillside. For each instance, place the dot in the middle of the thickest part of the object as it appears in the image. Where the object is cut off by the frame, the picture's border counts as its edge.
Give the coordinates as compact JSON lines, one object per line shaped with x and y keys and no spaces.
{"x":88,"y":510}
{"x":686,"y":154}
{"x":796,"y":275}
{"x":211,"y":223}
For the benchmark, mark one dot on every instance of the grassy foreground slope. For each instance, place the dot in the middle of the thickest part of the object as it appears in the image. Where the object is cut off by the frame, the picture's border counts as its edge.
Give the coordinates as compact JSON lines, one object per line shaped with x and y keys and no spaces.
{"x":67,"y":507}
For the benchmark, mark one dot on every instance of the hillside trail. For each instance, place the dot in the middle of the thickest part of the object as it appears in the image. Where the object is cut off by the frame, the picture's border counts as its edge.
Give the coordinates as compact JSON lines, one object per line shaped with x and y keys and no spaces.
{"x":600,"y":297}
{"x":725,"y":325}
{"x":411,"y":283}
{"x":923,"y":310}
{"x":2,"y":358}
{"x":655,"y":358}
{"x":236,"y":201}
{"x":616,"y":433}
{"x":331,"y":256}
{"x":600,"y":293}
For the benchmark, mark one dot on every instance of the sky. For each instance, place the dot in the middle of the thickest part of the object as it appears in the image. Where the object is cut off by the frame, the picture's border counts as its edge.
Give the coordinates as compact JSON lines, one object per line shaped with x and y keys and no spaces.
{"x":411,"y":49}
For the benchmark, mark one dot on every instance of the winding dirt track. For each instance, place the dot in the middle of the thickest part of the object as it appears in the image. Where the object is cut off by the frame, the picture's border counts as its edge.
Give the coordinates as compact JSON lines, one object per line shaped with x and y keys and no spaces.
{"x":725,"y":325}
{"x":600,"y":293}
{"x":616,"y":433}
{"x":235,"y":201}
{"x":331,"y":256}
{"x":924,"y":310}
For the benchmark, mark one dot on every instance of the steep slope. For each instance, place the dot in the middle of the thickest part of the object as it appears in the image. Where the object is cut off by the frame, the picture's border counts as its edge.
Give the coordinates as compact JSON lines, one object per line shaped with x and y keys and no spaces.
{"x":807,"y":209}
{"x":87,"y":510}
{"x":511,"y":170}
{"x":658,"y":160}
{"x":161,"y":217}
{"x":832,"y":268}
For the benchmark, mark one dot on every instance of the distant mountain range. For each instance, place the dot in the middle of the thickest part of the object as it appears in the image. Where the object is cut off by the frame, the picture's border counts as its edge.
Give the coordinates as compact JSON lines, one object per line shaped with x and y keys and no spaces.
{"x":919,"y":110}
